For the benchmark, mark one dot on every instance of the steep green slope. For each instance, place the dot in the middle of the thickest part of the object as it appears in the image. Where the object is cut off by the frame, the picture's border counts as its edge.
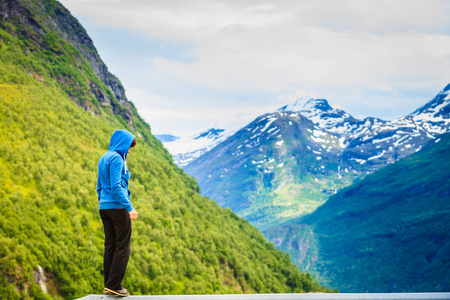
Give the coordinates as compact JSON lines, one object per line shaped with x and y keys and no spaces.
{"x":386,"y":233}
{"x":57,"y":116}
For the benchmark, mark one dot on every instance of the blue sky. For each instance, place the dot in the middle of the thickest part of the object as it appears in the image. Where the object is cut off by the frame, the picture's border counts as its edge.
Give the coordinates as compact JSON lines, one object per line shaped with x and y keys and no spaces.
{"x":187,"y":65}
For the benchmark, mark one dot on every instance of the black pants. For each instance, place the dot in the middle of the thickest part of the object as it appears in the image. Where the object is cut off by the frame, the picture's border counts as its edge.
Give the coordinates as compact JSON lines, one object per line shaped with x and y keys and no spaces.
{"x":117,"y":226}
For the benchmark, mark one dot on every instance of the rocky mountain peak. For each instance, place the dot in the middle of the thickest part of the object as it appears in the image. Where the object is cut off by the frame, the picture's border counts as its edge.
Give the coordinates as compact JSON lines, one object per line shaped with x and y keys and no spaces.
{"x":322,"y":114}
{"x":52,"y":17}
{"x":211,"y":133}
{"x":318,"y":104}
{"x":307,"y":104}
{"x":438,"y":109}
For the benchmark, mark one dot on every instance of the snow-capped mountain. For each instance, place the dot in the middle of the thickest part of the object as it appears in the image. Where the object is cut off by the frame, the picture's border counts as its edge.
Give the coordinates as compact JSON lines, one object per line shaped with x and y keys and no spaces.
{"x":376,"y":141}
{"x":185,"y":149}
{"x":267,"y":160}
{"x":437,"y":110}
{"x":366,"y":140}
{"x":288,"y":162}
{"x":332,"y":120}
{"x":393,"y":140}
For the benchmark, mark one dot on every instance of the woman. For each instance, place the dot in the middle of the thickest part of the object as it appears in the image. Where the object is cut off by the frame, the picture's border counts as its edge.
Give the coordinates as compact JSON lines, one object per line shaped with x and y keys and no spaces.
{"x":116,"y":210}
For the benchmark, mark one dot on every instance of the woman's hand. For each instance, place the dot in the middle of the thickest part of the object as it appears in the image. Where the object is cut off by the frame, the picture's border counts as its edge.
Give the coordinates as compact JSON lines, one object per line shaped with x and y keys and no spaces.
{"x":133,"y":215}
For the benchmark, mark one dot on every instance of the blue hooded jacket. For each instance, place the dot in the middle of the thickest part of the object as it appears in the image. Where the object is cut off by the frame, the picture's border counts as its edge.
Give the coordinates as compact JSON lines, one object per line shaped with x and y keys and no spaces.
{"x":113,"y":175}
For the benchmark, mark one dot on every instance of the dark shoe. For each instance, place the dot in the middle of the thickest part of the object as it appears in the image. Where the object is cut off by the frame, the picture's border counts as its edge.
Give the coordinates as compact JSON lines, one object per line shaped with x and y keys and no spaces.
{"x":121,"y":293}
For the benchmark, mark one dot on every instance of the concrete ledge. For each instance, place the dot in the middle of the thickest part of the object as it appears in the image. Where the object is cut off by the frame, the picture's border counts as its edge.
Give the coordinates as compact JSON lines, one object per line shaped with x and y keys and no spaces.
{"x":309,"y":296}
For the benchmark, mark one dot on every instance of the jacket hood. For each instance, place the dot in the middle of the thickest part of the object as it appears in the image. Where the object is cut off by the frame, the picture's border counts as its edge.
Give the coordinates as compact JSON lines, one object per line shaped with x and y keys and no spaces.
{"x":121,"y":141}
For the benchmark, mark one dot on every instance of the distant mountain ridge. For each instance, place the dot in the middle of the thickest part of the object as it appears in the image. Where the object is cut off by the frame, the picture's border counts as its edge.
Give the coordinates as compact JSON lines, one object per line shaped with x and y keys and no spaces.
{"x":393,"y":140}
{"x":186,"y":149}
{"x":326,"y":150}
{"x":327,"y":118}
{"x":425,"y":123}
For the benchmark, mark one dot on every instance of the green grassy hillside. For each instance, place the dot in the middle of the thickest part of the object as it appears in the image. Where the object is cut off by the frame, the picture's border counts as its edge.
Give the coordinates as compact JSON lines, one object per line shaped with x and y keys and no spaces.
{"x":386,"y":233}
{"x":56,"y":118}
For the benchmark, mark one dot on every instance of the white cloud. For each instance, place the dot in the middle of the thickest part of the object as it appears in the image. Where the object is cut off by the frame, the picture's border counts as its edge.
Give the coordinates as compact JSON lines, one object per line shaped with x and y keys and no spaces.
{"x":176,"y":18}
{"x":352,"y":52}
{"x":287,"y":44}
{"x":317,"y":57}
{"x":183,"y":117}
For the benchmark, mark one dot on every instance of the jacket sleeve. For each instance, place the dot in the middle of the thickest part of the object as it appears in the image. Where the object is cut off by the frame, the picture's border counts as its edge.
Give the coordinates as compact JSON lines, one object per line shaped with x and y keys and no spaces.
{"x":118,"y":191}
{"x":99,"y":187}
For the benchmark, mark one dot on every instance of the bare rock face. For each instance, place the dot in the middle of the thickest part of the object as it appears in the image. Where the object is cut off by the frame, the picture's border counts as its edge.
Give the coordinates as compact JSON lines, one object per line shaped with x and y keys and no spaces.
{"x":39,"y":278}
{"x":56,"y":18}
{"x":67,"y":27}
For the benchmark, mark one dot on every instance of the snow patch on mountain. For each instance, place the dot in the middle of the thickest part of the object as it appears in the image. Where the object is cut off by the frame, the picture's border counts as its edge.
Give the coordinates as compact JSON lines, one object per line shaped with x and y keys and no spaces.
{"x":185,"y":149}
